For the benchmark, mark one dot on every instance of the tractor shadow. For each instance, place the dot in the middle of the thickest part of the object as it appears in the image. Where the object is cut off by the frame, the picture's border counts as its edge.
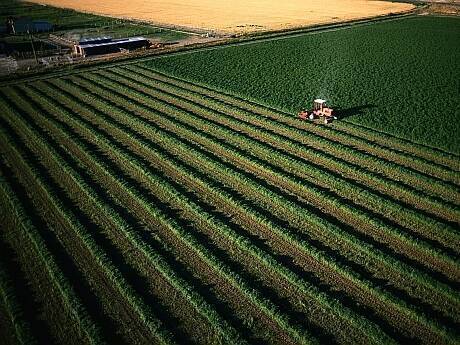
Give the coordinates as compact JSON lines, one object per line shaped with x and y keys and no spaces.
{"x":343,"y":113}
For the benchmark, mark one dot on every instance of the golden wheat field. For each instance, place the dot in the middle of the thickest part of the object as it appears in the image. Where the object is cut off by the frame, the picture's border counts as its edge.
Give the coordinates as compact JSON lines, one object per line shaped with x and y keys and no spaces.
{"x":237,"y":15}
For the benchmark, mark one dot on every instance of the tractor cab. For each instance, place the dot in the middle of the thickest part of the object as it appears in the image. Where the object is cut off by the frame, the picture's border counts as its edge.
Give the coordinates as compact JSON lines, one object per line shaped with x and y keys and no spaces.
{"x":319,"y":104}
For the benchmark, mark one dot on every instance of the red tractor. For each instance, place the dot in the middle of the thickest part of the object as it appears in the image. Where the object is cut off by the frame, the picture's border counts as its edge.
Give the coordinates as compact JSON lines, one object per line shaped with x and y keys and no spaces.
{"x":320,"y":110}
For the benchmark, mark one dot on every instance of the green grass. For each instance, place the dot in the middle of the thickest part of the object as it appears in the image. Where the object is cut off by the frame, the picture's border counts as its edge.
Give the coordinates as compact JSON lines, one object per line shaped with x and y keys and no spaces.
{"x":400,"y":77}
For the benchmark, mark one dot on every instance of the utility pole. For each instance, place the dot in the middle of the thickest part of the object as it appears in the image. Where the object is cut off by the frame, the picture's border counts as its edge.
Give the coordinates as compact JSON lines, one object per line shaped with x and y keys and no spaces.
{"x":10,"y":26}
{"x":33,"y":48}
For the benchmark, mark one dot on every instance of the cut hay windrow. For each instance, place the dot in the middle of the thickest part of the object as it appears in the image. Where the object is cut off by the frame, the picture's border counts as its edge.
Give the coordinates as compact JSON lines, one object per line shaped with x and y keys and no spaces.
{"x":88,"y":103}
{"x":140,"y":110}
{"x":22,"y":332}
{"x":83,"y":326}
{"x":153,"y":260}
{"x":400,"y":235}
{"x":210,"y":260}
{"x":309,"y":136}
{"x":380,"y":204}
{"x":120,"y":285}
{"x":283,"y":274}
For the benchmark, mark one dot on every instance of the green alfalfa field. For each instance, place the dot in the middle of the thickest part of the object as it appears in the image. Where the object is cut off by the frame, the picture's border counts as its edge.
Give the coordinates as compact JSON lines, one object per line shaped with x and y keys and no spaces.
{"x":180,"y":200}
{"x":400,"y":77}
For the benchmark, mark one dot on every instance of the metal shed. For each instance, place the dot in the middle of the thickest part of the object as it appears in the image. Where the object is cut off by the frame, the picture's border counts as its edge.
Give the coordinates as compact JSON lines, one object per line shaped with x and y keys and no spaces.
{"x":107,"y":45}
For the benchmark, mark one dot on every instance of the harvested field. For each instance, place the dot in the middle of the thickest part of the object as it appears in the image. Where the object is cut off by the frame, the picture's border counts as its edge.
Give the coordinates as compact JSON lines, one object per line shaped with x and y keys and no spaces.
{"x":176,"y":173}
{"x":236,"y":16}
{"x":139,"y":207}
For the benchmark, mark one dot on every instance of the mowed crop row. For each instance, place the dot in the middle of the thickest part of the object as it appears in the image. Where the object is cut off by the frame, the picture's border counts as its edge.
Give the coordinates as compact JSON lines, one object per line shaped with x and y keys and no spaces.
{"x":104,"y":94}
{"x":112,"y":111}
{"x":260,"y":169}
{"x":157,"y":262}
{"x":225,"y":231}
{"x":364,"y":155}
{"x":112,"y":149}
{"x":287,"y":158}
{"x":111,"y":288}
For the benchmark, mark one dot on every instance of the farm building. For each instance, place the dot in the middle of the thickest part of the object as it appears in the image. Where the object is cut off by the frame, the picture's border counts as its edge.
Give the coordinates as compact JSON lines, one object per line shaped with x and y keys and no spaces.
{"x":107,"y":45}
